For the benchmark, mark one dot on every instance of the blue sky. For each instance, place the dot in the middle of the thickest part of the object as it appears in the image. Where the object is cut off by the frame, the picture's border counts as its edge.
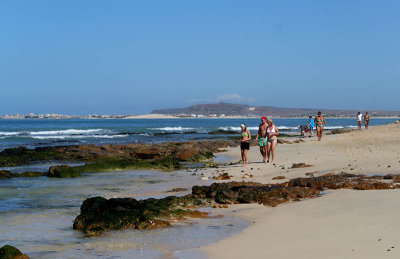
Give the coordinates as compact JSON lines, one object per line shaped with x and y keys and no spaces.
{"x":129,"y":57}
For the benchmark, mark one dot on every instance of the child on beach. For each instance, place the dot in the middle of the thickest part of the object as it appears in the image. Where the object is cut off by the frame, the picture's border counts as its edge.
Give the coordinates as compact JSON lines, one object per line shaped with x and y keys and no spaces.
{"x":320,"y":121}
{"x":261,"y":137}
{"x":244,"y":143}
{"x":303,"y":129}
{"x":311,"y":126}
{"x":272,"y":142}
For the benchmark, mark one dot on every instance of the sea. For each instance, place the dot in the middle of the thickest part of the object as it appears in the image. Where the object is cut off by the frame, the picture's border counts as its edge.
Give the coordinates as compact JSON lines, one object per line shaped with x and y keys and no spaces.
{"x":36,"y":214}
{"x":37,"y":133}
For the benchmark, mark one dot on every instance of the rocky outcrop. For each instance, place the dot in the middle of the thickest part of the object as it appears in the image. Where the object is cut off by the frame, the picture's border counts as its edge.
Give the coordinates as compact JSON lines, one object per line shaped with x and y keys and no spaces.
{"x":10,"y":252}
{"x":300,"y":165}
{"x":181,"y":151}
{"x":63,"y":171}
{"x":99,"y":214}
{"x":223,"y":176}
{"x":346,"y":181}
{"x":4,"y":174}
{"x":223,"y":132}
{"x":341,"y":131}
{"x":179,"y":189}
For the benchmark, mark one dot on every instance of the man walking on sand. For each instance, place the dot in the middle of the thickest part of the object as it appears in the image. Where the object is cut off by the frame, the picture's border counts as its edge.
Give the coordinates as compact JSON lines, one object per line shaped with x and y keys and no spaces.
{"x":261,"y":138}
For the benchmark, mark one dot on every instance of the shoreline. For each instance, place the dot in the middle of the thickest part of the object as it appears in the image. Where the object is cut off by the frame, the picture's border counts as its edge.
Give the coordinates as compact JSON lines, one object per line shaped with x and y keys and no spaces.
{"x":355,"y":152}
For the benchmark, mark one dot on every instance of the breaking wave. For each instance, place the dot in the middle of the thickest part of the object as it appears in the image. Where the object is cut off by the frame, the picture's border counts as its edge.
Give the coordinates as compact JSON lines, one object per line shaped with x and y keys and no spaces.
{"x":179,"y":128}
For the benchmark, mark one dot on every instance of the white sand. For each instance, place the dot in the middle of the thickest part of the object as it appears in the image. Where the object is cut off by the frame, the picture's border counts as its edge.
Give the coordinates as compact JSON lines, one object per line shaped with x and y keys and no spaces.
{"x":331,"y":226}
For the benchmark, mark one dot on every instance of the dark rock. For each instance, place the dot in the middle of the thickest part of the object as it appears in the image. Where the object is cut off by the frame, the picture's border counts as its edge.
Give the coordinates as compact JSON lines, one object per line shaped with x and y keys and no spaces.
{"x":282,"y":141}
{"x":32,"y":174}
{"x":223,"y":132}
{"x":5,"y":174}
{"x":300,"y":165}
{"x":184,"y":151}
{"x":99,"y":214}
{"x":224,"y":176}
{"x":280,"y":177}
{"x":341,"y":131}
{"x":63,"y":171}
{"x":10,"y":252}
{"x":178,"y":190}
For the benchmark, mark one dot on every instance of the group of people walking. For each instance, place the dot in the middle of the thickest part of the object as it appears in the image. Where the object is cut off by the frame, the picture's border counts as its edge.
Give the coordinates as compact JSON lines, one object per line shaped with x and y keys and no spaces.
{"x":266,"y":139}
{"x":267,"y":134}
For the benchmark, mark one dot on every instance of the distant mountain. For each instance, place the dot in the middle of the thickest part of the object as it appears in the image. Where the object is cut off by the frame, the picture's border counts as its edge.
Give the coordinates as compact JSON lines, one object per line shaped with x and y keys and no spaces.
{"x":230,"y":109}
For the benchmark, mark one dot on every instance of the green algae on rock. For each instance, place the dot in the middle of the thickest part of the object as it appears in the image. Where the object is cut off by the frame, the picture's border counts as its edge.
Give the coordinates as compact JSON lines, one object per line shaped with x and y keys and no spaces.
{"x":5,"y":174}
{"x":99,"y":214}
{"x":181,"y":151}
{"x":162,"y":156}
{"x":10,"y":252}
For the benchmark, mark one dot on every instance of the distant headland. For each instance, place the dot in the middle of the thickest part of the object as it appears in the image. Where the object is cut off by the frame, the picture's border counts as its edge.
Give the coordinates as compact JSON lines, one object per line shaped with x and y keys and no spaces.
{"x":216,"y":110}
{"x":222,"y":109}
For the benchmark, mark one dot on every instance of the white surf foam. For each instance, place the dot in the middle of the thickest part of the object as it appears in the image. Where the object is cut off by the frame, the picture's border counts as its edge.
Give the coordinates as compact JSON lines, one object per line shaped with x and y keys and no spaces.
{"x":7,"y":133}
{"x":236,"y":128}
{"x":179,"y":128}
{"x":79,"y":137}
{"x":67,"y":131}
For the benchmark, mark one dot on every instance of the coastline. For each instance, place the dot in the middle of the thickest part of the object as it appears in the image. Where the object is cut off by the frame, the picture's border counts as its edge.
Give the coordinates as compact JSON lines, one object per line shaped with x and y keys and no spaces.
{"x":355,"y":152}
{"x":169,"y":116}
{"x":341,"y":223}
{"x":162,"y":116}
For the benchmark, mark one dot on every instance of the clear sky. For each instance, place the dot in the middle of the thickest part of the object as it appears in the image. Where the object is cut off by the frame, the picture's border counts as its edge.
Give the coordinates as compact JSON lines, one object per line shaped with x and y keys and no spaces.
{"x":129,"y":57}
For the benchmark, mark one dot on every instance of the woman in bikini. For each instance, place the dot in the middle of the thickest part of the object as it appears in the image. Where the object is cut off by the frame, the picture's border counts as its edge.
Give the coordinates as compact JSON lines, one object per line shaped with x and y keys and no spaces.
{"x":320,"y":121}
{"x":272,"y":140}
{"x":366,"y":120}
{"x":244,"y":143}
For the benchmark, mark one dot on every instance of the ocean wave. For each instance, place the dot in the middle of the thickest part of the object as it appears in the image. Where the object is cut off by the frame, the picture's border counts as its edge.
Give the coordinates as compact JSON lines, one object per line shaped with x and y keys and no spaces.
{"x":179,"y":128}
{"x":236,"y":128}
{"x":49,"y":132}
{"x":67,"y":131}
{"x":80,"y":137}
{"x":13,"y":133}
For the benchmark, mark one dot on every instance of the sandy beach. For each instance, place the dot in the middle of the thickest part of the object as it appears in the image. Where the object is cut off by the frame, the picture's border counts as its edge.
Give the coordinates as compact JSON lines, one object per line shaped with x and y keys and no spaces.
{"x":341,"y":223}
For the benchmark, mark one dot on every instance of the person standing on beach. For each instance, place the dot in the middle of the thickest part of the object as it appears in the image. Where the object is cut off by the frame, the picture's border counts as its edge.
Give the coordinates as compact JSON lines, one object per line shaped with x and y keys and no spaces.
{"x":320,"y":121}
{"x":311,"y":126}
{"x":272,"y":140}
{"x":359,"y":120}
{"x":366,"y":120}
{"x":244,"y":143}
{"x":261,"y":137}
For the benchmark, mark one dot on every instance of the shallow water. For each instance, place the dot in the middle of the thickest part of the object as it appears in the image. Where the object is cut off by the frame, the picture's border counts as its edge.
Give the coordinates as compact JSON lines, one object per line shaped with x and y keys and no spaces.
{"x":39,"y":166}
{"x":36,"y":215}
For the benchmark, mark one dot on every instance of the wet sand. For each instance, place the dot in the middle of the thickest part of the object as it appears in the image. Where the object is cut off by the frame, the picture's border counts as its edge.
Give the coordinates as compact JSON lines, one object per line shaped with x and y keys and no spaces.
{"x":340,"y":224}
